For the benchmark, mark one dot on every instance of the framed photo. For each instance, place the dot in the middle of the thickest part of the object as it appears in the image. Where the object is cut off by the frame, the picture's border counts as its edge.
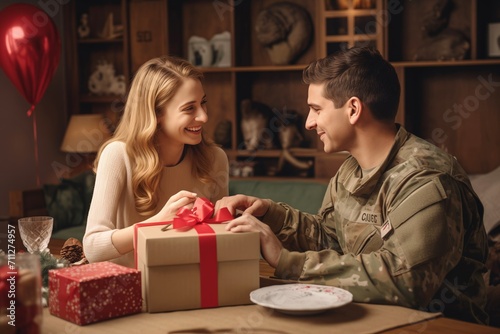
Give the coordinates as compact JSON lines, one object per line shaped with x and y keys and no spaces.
{"x":494,"y":39}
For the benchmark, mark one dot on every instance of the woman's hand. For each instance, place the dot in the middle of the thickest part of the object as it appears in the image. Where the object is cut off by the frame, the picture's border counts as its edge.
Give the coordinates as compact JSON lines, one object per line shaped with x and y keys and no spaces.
{"x":174,"y":203}
{"x":123,"y":239}
{"x":269,"y":243}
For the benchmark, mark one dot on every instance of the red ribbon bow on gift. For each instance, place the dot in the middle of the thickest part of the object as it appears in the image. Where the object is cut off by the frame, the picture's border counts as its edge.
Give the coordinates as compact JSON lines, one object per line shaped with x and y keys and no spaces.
{"x":201,"y":213}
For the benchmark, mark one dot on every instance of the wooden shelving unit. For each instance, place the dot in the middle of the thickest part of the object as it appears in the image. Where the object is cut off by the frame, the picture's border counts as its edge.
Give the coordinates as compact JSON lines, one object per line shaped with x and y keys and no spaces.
{"x":449,"y":102}
{"x":83,"y":54}
{"x":429,"y":87}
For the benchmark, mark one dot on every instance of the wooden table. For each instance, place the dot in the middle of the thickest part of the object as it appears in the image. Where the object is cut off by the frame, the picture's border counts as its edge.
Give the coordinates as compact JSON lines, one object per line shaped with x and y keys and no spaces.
{"x":443,"y":325}
{"x":351,"y":318}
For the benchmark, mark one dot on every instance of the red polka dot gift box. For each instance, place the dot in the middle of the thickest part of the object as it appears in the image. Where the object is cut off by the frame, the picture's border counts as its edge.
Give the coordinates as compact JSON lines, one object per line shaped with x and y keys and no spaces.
{"x":94,"y":292}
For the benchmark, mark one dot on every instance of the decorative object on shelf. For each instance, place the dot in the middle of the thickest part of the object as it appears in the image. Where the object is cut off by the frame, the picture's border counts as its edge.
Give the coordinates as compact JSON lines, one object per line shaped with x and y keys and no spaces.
{"x":299,"y":167}
{"x":247,"y":170}
{"x":256,"y":119}
{"x":290,"y":130}
{"x":346,"y":4}
{"x":241,"y":168}
{"x":342,"y":4}
{"x":222,"y":133}
{"x":84,"y":29}
{"x":221,"y":46}
{"x":104,"y":80}
{"x":440,"y":41}
{"x":200,"y":52}
{"x":214,"y":52}
{"x":438,"y":18}
{"x":290,"y":135}
{"x":285,"y":30}
{"x":365,"y":4}
{"x":494,"y":39}
{"x":110,"y":30}
{"x":449,"y":45}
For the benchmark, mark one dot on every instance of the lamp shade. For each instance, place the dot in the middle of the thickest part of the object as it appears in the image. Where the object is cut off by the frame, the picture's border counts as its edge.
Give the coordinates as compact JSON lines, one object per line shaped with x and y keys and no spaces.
{"x":85,"y":134}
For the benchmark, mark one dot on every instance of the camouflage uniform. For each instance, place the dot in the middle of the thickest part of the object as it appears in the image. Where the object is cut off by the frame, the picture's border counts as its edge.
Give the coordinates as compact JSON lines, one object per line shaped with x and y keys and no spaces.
{"x":408,"y":233}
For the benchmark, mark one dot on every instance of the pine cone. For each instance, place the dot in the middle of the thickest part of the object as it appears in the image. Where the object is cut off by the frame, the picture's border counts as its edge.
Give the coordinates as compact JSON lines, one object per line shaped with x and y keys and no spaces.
{"x":81,"y":262}
{"x":72,"y":250}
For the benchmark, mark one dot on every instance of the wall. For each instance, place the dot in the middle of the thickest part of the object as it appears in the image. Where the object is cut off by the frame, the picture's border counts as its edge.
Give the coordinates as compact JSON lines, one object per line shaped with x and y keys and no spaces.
{"x":18,"y":168}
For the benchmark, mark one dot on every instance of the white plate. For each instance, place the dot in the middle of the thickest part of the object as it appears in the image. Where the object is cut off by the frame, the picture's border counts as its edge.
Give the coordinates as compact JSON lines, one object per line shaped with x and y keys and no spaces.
{"x":301,"y":299}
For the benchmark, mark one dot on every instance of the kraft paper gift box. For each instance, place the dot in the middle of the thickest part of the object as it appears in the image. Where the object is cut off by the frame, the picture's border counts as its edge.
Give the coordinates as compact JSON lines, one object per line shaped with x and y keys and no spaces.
{"x":175,"y":278}
{"x":94,"y":292}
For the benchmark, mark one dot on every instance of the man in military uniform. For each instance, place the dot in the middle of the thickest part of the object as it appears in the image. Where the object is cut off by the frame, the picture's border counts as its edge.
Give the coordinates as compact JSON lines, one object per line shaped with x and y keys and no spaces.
{"x":399,"y":224}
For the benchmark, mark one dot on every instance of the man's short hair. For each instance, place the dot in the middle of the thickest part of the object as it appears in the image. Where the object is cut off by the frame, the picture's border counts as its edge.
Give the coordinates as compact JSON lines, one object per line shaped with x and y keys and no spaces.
{"x":360,"y":72}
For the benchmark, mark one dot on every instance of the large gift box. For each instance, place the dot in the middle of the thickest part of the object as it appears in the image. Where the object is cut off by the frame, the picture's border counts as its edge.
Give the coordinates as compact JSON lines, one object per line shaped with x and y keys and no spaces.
{"x":94,"y":292}
{"x":197,"y":266}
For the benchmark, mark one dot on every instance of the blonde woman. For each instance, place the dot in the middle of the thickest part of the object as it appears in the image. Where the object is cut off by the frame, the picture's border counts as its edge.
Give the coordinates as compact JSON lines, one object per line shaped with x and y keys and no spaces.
{"x":156,"y":162}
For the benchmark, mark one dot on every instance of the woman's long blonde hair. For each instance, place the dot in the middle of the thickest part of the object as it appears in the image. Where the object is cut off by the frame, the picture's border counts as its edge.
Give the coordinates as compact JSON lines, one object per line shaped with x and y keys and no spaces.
{"x":154,"y":84}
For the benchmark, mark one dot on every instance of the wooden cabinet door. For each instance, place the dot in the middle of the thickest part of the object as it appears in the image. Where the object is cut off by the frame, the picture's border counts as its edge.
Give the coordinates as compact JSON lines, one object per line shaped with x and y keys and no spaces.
{"x":148,"y":31}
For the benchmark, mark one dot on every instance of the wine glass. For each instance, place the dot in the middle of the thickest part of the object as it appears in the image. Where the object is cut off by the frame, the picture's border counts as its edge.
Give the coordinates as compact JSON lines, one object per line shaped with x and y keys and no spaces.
{"x":36,"y":232}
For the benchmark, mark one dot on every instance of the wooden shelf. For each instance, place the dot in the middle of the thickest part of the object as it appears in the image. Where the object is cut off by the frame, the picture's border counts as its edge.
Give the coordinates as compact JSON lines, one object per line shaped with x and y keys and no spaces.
{"x":349,"y":12}
{"x":355,"y":38}
{"x":85,"y":98}
{"x":282,"y":68}
{"x":444,"y":63}
{"x":100,"y":41}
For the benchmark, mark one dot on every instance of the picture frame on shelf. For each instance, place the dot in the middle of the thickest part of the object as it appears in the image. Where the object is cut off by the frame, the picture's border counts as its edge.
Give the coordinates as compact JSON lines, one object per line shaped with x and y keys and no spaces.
{"x":494,"y":39}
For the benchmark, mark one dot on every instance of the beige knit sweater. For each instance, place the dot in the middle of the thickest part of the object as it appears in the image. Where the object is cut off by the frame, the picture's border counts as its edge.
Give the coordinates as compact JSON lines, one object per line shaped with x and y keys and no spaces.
{"x":113,"y":205}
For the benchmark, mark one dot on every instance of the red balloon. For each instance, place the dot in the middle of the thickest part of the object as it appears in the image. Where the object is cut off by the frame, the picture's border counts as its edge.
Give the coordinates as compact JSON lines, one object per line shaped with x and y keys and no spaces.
{"x":30,"y":49}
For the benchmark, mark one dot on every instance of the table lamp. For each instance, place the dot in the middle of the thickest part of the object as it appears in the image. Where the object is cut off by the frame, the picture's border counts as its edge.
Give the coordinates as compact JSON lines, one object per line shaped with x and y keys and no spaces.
{"x":84,"y":136}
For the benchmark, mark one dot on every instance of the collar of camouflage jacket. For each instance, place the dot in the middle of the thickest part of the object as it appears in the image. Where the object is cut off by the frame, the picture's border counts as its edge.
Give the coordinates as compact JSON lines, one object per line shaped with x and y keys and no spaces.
{"x":362,"y":186}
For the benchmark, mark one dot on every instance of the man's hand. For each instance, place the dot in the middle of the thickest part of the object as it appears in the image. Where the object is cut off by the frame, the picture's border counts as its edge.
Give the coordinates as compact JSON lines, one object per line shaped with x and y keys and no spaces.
{"x":269,"y":243}
{"x":248,"y":204}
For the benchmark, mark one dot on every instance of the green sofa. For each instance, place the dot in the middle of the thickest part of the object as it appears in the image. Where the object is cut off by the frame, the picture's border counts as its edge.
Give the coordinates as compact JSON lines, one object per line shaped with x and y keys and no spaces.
{"x":305,"y":195}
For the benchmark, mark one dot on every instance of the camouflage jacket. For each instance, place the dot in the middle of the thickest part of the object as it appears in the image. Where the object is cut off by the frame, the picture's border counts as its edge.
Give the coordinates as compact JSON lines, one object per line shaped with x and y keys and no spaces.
{"x":408,"y":233}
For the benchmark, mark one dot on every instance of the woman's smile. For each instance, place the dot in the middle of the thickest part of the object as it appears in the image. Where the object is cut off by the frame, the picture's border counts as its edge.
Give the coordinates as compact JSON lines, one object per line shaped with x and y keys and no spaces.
{"x":194,"y":129}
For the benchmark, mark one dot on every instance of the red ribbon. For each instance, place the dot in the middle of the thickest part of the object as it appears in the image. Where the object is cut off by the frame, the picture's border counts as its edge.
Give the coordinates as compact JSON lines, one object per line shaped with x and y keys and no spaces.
{"x":201,"y":213}
{"x":198,"y":218}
